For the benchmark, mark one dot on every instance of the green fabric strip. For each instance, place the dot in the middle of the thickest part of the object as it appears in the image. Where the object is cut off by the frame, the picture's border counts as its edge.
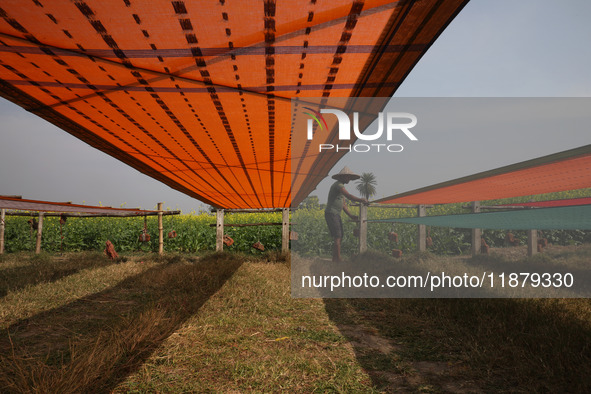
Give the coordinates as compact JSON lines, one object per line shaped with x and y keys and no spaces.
{"x":561,"y":218}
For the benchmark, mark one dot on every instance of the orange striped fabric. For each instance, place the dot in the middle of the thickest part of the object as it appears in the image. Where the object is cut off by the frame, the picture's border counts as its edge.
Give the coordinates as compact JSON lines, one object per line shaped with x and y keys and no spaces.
{"x":51,"y":206}
{"x":196,"y":94}
{"x":568,"y":170}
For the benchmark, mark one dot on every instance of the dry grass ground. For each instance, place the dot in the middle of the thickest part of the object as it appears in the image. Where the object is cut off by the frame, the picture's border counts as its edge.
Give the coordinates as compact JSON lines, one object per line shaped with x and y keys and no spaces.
{"x":227,"y":323}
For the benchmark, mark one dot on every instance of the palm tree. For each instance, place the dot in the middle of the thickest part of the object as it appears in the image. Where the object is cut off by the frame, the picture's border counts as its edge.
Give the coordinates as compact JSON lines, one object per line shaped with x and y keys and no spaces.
{"x":366,"y":185}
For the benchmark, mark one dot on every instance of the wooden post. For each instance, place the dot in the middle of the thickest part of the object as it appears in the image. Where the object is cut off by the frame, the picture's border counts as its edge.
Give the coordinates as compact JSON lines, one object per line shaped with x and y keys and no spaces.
{"x":362,"y":228}
{"x":2,"y":227}
{"x":532,"y":242}
{"x":160,"y":230}
{"x":422,"y":230}
{"x":285,"y":230}
{"x":476,"y":232}
{"x":219,"y":237}
{"x":39,"y":233}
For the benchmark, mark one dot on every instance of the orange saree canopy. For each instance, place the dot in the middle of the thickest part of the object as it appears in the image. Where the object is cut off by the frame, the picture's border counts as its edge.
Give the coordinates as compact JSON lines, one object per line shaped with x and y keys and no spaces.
{"x":20,"y":204}
{"x":568,"y":170}
{"x":196,"y":94}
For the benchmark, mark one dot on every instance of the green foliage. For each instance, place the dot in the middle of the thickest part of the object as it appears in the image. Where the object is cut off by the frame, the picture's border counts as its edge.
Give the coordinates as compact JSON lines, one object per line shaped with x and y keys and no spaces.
{"x":366,"y":185}
{"x":310,"y":202}
{"x":194,"y":233}
{"x":315,"y":240}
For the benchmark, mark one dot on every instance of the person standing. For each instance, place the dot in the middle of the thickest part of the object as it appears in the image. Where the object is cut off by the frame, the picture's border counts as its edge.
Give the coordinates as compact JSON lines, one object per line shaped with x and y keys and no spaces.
{"x":335,"y":204}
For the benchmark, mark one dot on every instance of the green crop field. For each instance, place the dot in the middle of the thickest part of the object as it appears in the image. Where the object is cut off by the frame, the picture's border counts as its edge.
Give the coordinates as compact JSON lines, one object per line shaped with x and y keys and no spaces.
{"x":194,"y":233}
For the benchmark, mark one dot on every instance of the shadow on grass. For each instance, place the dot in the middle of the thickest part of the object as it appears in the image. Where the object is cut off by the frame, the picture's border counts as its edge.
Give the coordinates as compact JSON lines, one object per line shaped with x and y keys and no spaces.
{"x":44,"y":269}
{"x":517,"y":345}
{"x":92,"y":344}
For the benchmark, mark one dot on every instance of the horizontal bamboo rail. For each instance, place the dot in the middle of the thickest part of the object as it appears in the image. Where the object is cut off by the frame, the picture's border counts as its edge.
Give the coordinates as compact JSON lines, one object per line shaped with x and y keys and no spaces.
{"x":219,"y":224}
{"x":90,"y":215}
{"x":497,"y":207}
{"x":396,"y":206}
{"x":248,"y":224}
{"x":254,"y":210}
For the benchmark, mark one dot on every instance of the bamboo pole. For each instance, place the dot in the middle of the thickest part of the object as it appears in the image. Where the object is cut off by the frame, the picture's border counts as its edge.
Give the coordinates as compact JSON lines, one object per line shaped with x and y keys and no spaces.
{"x":476,"y":232}
{"x":39,"y":233}
{"x":219,"y":237}
{"x":160,"y":230}
{"x":422,"y":230}
{"x":2,"y":227}
{"x":362,"y":228}
{"x":532,"y":242}
{"x":285,"y":230}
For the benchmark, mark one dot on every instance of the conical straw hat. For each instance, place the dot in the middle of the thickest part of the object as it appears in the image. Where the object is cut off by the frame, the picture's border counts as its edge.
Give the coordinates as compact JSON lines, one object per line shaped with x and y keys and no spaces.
{"x":346,"y":173}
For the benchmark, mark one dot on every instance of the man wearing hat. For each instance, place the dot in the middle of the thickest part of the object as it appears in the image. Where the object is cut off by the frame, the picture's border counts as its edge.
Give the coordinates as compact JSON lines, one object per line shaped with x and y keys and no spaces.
{"x":336,"y":204}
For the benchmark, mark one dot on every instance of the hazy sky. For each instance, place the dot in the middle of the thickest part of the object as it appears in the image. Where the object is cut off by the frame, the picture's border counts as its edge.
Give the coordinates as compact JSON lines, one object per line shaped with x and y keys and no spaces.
{"x":501,"y":48}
